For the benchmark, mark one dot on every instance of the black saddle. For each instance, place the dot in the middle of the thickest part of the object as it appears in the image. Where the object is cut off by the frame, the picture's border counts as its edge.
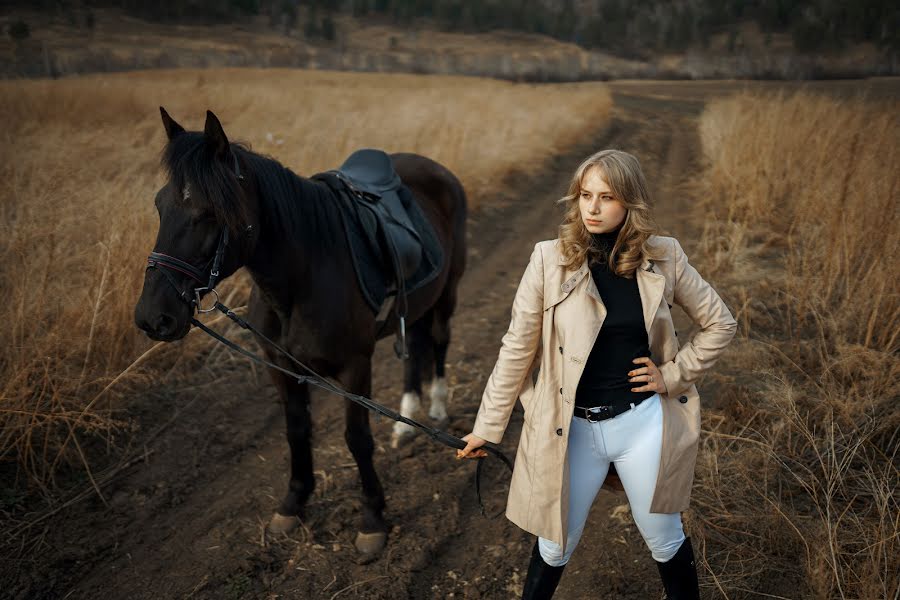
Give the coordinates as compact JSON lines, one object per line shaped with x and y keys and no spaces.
{"x":370,"y":173}
{"x":394,"y":247}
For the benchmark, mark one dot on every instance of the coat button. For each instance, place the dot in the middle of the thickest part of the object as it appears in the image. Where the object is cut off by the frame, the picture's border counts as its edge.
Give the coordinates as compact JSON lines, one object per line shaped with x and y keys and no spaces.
{"x":559,"y":431}
{"x":560,"y":350}
{"x":682,"y":399}
{"x":560,"y":390}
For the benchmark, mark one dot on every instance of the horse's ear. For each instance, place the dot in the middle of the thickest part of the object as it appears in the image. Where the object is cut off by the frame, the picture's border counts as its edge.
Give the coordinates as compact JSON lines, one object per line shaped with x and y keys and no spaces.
{"x":215,"y":135}
{"x":172,"y":128}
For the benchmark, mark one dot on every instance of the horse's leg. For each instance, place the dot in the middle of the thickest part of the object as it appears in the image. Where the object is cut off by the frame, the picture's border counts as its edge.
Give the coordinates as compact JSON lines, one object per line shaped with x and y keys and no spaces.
{"x":299,"y":431}
{"x":438,"y":391}
{"x":418,"y":338}
{"x":440,"y":340}
{"x":372,"y":534}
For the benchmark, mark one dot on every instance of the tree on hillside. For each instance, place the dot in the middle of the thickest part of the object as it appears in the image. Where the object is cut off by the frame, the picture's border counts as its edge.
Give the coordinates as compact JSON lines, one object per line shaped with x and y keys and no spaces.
{"x":19,"y":30}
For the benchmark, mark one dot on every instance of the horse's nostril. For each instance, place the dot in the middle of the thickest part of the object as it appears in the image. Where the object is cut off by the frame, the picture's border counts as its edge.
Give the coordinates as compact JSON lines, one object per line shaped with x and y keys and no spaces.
{"x":165,"y":324}
{"x":144,"y":325}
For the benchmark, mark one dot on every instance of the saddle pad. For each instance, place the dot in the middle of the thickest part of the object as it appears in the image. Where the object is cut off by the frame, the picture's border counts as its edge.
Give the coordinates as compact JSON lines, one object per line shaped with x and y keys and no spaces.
{"x":374,"y":269}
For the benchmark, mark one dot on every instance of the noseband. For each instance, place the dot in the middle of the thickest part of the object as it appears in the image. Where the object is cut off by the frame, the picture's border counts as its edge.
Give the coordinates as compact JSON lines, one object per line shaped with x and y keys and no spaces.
{"x":170,"y":263}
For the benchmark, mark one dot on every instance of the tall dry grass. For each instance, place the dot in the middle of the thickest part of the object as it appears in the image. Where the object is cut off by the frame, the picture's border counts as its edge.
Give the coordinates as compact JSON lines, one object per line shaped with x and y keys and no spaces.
{"x":80,"y":162}
{"x":798,"y":471}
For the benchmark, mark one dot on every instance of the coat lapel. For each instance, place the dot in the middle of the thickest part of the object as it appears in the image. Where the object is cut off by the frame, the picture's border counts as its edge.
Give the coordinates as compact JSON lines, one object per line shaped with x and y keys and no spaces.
{"x":651,"y":286}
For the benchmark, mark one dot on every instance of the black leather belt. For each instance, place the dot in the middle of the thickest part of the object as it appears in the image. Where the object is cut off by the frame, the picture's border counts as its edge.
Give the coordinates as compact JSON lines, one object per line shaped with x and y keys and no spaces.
{"x":601,"y":413}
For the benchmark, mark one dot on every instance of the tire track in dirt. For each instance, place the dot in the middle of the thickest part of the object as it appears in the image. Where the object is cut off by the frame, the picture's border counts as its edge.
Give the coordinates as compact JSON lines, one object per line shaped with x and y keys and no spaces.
{"x":612,"y":559}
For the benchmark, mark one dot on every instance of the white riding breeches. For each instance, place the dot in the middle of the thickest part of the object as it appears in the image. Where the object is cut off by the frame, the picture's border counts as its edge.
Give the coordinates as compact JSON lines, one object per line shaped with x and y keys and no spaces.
{"x":631,"y":441}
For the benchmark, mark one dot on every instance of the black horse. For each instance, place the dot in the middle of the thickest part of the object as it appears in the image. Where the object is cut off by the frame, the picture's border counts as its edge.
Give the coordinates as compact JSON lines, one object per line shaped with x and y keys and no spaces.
{"x":286,"y":231}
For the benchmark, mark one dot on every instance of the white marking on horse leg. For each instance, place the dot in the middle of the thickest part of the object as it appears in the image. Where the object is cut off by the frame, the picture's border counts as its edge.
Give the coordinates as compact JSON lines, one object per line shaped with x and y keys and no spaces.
{"x":409,"y":405}
{"x":438,"y":393}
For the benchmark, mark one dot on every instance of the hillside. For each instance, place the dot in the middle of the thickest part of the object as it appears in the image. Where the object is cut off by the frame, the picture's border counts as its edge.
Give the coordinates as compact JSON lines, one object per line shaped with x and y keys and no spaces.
{"x":52,"y":44}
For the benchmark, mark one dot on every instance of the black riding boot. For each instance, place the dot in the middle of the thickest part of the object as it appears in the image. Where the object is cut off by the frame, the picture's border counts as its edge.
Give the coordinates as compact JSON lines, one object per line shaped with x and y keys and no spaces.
{"x":542,"y":579}
{"x":679,"y":575}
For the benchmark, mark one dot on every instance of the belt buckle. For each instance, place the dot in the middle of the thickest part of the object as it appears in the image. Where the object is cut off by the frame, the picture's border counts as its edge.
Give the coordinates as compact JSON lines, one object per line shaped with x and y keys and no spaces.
{"x":597,"y":413}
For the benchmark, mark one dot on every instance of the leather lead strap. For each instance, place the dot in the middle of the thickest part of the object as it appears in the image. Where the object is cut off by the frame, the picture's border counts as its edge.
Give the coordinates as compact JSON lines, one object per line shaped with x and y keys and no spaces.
{"x":436,"y":434}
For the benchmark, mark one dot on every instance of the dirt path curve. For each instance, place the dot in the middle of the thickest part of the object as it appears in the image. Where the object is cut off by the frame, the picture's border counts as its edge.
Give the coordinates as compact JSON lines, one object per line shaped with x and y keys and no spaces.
{"x":189,"y":523}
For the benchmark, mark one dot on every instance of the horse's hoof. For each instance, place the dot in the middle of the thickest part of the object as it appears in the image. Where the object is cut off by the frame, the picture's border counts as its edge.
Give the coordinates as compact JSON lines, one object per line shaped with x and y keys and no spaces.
{"x":283,"y":524}
{"x":370,"y":544}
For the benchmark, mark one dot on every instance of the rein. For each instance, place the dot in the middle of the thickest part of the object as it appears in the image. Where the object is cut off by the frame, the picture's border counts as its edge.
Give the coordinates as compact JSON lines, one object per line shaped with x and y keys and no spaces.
{"x":436,"y":434}
{"x":166,"y":264}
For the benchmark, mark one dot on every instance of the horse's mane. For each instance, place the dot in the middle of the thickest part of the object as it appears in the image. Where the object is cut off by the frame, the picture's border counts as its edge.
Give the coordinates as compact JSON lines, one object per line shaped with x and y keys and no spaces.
{"x":301,"y":209}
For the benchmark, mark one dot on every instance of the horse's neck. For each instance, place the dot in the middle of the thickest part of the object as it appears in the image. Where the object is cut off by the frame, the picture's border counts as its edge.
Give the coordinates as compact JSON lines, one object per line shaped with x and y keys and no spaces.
{"x":298,"y":252}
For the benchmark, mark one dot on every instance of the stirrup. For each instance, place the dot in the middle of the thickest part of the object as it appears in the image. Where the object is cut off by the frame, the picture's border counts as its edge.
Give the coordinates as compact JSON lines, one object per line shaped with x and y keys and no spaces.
{"x":400,"y":348}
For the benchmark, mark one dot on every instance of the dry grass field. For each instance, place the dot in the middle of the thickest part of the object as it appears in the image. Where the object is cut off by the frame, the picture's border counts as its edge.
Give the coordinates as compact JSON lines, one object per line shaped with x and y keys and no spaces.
{"x":791,"y":212}
{"x":80,"y":158}
{"x":798,"y":476}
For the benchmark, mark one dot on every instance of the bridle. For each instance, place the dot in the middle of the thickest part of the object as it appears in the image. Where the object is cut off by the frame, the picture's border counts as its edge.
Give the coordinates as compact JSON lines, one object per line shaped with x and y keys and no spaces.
{"x":209,"y":275}
{"x":166,"y":263}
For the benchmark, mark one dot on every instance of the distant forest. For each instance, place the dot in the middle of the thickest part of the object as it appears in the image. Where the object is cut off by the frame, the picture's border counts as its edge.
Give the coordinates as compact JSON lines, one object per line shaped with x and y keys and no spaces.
{"x":624,"y":27}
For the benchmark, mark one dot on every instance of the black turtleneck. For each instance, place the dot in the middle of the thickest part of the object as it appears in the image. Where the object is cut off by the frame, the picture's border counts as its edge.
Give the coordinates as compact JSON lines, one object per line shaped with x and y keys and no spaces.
{"x":622,"y":337}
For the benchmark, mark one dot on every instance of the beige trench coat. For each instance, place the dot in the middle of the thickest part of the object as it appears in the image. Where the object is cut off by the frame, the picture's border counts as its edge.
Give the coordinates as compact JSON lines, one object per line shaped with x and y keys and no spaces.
{"x":556,"y":316}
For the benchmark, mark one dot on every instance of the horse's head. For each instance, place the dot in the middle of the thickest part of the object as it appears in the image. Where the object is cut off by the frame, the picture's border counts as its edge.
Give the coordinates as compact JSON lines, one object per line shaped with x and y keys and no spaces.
{"x":208,"y":226}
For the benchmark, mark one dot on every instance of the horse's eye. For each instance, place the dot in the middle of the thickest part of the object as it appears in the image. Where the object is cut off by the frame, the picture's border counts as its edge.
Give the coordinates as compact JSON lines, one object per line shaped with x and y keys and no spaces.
{"x":202,"y":218}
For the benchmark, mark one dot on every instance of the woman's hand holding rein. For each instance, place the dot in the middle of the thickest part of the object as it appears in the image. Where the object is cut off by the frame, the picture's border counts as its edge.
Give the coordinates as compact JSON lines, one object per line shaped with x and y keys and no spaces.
{"x":473,"y":442}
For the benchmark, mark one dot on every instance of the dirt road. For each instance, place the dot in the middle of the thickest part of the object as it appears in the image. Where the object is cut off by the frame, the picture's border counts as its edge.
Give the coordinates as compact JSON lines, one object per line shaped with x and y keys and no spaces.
{"x":189,"y":521}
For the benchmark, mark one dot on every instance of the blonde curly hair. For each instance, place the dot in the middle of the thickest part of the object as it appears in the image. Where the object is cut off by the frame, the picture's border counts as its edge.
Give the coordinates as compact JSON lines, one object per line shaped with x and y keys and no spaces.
{"x":622,"y":173}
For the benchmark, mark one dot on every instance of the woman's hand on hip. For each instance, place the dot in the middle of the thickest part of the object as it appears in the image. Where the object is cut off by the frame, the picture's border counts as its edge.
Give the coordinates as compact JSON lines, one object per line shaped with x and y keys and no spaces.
{"x":473,"y":442}
{"x":648,"y":376}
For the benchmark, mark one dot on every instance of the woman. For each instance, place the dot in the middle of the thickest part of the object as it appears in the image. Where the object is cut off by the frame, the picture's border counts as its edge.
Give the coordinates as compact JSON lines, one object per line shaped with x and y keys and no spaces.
{"x":613,"y":390}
